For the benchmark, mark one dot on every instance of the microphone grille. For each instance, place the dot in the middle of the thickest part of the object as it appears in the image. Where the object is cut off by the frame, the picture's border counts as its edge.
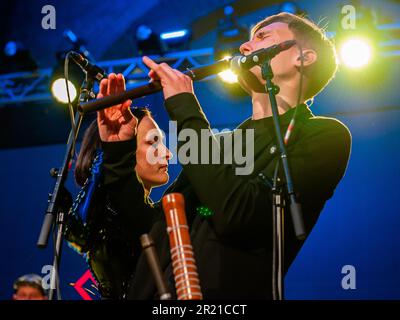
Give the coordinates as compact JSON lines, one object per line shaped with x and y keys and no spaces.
{"x":235,"y":63}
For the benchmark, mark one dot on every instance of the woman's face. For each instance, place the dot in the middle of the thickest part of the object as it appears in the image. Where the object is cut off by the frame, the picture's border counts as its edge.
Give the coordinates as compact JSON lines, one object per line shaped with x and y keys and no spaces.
{"x":151,"y":154}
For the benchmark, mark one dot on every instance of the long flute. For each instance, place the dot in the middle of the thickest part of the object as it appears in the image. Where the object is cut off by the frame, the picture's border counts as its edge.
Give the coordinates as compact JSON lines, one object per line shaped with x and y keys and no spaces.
{"x":195,"y":74}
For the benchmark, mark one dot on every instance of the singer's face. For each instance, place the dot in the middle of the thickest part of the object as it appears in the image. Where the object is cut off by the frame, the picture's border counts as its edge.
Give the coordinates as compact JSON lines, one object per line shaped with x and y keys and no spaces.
{"x":283,"y":64}
{"x":151,"y":154}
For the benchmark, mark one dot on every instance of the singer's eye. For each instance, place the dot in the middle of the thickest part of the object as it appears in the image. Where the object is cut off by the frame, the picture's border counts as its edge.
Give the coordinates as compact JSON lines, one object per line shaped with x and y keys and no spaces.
{"x":262,"y":35}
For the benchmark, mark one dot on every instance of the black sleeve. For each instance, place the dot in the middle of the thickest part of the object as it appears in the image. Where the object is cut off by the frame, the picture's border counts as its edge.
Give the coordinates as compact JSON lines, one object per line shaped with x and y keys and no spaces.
{"x":317,"y":164}
{"x":243,"y":205}
{"x":124,"y":190}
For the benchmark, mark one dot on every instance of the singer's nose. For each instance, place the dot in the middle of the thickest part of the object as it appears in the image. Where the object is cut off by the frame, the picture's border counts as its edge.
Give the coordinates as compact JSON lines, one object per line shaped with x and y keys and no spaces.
{"x":245,"y":48}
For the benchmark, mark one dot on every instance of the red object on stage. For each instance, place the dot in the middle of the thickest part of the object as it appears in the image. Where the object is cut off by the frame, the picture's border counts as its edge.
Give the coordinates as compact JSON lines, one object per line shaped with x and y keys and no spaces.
{"x":187,"y":282}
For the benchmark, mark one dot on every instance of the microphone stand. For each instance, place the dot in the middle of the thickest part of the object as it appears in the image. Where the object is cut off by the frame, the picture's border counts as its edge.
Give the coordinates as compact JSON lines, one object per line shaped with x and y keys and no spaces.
{"x":58,"y":209}
{"x":154,"y":263}
{"x":277,"y":193}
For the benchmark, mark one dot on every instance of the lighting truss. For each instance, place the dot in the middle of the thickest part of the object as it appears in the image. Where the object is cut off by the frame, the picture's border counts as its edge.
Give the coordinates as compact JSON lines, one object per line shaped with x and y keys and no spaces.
{"x":25,"y":87}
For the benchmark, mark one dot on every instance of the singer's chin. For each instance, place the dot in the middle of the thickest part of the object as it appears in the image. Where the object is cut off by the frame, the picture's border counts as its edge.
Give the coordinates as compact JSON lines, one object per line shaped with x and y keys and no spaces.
{"x":249,"y":82}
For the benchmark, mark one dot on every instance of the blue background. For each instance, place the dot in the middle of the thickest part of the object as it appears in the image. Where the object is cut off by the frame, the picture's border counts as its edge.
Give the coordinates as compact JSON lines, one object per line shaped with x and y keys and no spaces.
{"x":359,"y":226}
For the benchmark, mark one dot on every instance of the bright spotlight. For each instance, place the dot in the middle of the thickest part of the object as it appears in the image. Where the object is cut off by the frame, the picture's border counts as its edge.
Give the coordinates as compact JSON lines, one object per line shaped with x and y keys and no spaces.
{"x":355,"y":53}
{"x":228,"y":76}
{"x":59,"y":90}
{"x":176,"y":40}
{"x":173,"y":34}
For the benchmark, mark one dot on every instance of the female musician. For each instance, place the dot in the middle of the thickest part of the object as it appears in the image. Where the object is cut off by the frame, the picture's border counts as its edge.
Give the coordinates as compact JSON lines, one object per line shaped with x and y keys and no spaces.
{"x":122,"y":157}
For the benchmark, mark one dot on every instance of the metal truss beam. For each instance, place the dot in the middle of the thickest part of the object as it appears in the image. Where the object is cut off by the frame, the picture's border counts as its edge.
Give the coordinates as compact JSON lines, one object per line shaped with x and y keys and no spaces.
{"x":25,"y":87}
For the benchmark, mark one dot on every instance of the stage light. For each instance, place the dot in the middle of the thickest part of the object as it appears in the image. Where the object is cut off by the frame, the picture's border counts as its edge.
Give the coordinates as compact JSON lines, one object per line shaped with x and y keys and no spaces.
{"x":355,"y":52}
{"x":59,"y":90}
{"x":11,"y":48}
{"x":78,"y":44}
{"x":174,"y":34}
{"x":230,"y":35}
{"x":228,"y":10}
{"x":176,"y":40}
{"x":147,"y":41}
{"x":230,"y":83}
{"x":228,"y":76}
{"x":291,"y":7}
{"x":143,"y":32}
{"x":57,"y":85}
{"x":358,"y":47}
{"x":16,"y":58}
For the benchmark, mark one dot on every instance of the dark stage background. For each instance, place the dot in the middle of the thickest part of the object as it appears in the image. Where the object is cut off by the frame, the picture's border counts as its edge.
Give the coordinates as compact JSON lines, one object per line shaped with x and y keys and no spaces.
{"x":359,"y":226}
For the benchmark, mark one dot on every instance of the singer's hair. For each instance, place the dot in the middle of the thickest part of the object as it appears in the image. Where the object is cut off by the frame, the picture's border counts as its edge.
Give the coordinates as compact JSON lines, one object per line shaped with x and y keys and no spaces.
{"x":91,"y":142}
{"x":309,"y":36}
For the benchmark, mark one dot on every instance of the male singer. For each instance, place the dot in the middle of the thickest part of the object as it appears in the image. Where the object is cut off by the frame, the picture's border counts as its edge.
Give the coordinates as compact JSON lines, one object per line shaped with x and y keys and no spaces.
{"x":233,"y":241}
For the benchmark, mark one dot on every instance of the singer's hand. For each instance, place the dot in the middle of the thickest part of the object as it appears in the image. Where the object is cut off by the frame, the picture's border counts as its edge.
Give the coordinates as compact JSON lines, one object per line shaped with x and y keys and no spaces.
{"x":172,"y":81}
{"x":116,"y":123}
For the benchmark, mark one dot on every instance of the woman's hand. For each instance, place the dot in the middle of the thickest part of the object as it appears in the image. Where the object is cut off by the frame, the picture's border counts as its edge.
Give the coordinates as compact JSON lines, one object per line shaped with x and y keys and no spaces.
{"x":172,"y":81}
{"x":116,"y":123}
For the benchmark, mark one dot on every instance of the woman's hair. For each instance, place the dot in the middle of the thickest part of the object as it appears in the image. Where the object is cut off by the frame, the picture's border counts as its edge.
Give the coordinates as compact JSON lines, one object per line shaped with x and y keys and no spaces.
{"x":91,"y":143}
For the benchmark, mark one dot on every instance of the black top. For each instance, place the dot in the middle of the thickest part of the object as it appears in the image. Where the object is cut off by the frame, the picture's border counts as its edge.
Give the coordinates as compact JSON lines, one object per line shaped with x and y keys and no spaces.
{"x":233,"y":247}
{"x":110,"y":236}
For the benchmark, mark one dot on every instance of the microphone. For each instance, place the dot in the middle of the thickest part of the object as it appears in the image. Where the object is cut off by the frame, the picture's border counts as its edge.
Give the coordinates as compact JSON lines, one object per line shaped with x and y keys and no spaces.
{"x":91,"y":69}
{"x":257,"y":57}
{"x":236,"y":63}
